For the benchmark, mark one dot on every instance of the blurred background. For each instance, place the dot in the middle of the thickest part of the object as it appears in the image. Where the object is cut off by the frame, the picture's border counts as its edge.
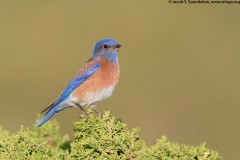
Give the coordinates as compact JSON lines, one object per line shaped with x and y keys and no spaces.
{"x":179,"y":65}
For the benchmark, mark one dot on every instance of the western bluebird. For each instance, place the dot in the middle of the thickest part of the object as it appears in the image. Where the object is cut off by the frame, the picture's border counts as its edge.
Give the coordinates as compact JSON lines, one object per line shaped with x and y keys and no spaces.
{"x":95,"y":82}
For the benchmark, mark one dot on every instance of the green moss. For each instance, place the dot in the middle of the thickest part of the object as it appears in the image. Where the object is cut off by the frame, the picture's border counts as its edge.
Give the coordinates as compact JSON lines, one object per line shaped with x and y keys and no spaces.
{"x":34,"y":144}
{"x":173,"y":151}
{"x":94,"y":138}
{"x":105,"y":138}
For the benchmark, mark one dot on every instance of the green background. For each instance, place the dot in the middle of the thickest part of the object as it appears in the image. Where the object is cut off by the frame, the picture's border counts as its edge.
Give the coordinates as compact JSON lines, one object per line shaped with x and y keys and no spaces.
{"x":179,"y":65}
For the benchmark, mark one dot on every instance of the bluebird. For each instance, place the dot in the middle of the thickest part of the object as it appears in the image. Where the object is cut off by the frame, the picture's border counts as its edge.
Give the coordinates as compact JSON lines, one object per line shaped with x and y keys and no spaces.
{"x":95,"y":82}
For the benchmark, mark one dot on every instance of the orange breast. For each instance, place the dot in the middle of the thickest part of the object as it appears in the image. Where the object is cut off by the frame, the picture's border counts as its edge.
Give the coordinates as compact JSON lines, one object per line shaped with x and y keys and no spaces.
{"x":106,"y":76}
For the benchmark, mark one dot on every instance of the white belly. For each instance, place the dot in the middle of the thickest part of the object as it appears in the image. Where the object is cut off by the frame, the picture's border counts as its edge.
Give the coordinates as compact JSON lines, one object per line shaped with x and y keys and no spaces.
{"x":99,"y":95}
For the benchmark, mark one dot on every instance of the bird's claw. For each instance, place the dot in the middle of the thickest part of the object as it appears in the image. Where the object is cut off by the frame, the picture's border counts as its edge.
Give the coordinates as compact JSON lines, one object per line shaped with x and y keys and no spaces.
{"x":86,"y":115}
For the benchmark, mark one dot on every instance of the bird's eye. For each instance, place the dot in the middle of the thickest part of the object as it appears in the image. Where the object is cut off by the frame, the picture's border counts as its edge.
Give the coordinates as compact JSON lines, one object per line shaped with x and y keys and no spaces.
{"x":105,"y":46}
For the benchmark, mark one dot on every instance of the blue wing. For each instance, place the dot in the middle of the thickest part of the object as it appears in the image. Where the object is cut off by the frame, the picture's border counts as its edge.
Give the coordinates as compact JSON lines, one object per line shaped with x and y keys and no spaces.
{"x":66,"y":93}
{"x":77,"y":82}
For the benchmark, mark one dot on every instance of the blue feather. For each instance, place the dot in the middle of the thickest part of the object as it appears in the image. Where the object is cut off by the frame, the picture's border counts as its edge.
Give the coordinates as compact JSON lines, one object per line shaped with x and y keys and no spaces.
{"x":66,"y":93}
{"x":47,"y":116}
{"x":76,"y":82}
{"x":110,"y":54}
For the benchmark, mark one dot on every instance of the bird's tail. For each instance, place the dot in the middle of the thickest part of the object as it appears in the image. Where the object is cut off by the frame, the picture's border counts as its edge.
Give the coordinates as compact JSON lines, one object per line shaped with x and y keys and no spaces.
{"x":52,"y":112}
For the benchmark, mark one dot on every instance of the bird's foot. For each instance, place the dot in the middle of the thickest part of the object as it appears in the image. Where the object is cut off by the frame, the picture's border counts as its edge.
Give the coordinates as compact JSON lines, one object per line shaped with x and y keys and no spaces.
{"x":95,"y":109}
{"x":85,"y":115}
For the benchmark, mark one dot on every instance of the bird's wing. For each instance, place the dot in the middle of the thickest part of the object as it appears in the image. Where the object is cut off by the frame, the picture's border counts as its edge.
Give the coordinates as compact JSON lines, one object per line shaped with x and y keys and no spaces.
{"x":89,"y":69}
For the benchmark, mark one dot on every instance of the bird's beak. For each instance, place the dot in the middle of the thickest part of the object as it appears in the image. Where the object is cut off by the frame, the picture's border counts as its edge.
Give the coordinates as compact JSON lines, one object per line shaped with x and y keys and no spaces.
{"x":117,"y":46}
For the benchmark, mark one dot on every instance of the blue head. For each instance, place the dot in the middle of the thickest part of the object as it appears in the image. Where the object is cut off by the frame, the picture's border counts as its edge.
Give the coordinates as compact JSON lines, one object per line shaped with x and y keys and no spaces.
{"x":106,"y":48}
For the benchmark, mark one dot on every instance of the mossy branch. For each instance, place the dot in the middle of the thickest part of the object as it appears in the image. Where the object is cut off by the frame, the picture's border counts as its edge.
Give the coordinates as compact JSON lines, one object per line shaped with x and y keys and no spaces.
{"x":94,"y":138}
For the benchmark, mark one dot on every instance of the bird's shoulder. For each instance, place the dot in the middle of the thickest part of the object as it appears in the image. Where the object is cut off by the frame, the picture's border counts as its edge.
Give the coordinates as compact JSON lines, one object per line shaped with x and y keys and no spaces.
{"x":86,"y":67}
{"x":105,"y":65}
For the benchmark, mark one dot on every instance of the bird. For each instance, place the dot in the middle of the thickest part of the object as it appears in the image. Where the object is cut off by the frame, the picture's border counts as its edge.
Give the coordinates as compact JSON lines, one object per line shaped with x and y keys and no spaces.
{"x":95,"y":82}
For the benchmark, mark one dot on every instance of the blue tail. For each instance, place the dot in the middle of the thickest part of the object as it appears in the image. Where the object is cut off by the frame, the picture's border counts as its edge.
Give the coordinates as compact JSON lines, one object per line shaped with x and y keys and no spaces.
{"x":47,"y":116}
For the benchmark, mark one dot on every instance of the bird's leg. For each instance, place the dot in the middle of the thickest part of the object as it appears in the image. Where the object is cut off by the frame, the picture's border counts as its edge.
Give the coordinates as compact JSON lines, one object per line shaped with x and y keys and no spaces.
{"x":79,"y":106}
{"x":95,"y":109}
